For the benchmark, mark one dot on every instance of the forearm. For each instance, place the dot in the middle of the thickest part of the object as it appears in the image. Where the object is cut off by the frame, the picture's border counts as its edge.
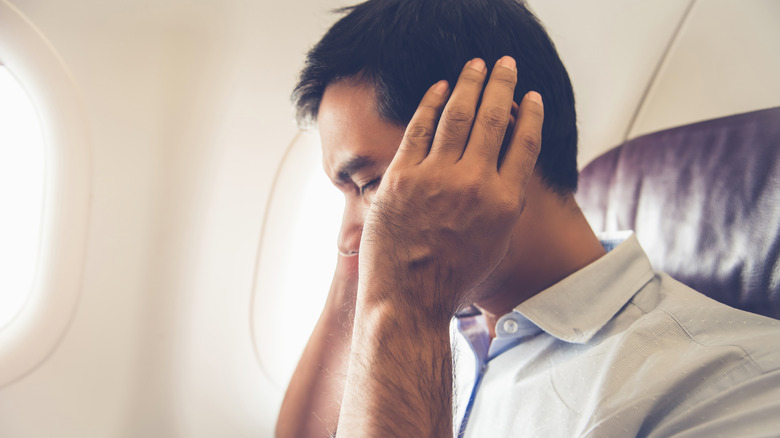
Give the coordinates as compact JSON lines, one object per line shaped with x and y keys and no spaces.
{"x":311,"y":404}
{"x":400,"y":376}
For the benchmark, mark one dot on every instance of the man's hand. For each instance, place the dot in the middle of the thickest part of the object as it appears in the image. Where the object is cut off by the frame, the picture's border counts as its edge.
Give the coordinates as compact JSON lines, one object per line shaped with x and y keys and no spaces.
{"x":443,"y":214}
{"x":439,"y":224}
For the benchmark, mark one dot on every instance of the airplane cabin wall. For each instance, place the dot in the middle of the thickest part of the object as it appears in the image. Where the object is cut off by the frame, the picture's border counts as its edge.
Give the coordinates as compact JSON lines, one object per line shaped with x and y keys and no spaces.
{"x":187,"y":108}
{"x":725,"y":60}
{"x":186,"y":101}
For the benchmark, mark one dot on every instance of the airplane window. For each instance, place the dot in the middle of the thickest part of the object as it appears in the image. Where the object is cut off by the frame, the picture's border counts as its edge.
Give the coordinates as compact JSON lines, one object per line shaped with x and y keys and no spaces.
{"x":21,"y":194}
{"x":297,"y":258}
{"x":45,"y":194}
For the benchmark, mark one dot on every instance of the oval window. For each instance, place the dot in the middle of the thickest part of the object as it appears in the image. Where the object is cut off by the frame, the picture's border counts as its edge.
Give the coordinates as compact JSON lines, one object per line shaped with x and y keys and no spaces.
{"x":22,"y":172}
{"x":45,"y":185}
{"x":296,"y":260}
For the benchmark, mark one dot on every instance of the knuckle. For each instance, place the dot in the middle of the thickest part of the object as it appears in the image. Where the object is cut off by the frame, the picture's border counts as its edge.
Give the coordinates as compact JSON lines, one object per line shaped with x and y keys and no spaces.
{"x":417,"y":131}
{"x":458,"y":114}
{"x":428,"y":109}
{"x":472,"y":78}
{"x":535,"y":111}
{"x":530,"y":141}
{"x":450,"y":129}
{"x":504,"y":78}
{"x":495,"y":117}
{"x":472,"y":184}
{"x":456,"y":121}
{"x":510,"y":204}
{"x":417,"y":136}
{"x":471,"y":191}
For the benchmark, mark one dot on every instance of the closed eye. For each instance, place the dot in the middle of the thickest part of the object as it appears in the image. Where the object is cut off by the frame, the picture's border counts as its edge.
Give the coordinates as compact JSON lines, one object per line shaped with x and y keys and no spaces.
{"x":371,"y":185}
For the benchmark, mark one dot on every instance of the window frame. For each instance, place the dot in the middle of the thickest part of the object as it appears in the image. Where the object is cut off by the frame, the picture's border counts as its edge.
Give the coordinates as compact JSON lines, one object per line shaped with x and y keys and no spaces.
{"x":36,"y":331}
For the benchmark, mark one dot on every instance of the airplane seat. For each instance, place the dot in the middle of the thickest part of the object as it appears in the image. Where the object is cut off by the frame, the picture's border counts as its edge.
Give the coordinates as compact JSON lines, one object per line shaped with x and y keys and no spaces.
{"x":704,"y":202}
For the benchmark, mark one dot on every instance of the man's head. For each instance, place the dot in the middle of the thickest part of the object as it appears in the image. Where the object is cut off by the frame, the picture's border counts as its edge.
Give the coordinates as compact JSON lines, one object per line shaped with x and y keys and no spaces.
{"x":401,"y":47}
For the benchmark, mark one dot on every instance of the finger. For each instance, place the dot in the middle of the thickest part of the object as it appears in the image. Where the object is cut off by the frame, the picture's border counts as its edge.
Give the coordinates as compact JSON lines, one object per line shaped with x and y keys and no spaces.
{"x":419,"y":132}
{"x":458,"y":116}
{"x":526,"y":141}
{"x":494,"y":113}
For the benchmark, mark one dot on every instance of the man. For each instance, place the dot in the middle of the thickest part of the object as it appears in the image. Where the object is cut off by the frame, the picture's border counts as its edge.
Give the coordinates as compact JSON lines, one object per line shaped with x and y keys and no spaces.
{"x":431,"y":115}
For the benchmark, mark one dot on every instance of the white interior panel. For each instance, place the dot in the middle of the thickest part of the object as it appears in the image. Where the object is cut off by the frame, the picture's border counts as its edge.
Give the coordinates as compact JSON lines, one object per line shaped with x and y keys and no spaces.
{"x":611,"y":49}
{"x":726,"y":60}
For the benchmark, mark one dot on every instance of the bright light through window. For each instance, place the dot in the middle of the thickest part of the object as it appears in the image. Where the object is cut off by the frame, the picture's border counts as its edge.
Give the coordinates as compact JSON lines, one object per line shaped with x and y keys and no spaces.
{"x":21,"y":195}
{"x":297,"y":259}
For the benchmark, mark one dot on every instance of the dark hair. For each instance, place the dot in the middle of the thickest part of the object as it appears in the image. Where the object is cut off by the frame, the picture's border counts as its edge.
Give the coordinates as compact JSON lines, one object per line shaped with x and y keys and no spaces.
{"x":402,"y":47}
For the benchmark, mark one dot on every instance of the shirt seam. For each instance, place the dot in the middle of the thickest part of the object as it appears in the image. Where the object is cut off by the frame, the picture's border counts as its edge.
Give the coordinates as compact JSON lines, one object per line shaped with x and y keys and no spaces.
{"x":694,"y":339}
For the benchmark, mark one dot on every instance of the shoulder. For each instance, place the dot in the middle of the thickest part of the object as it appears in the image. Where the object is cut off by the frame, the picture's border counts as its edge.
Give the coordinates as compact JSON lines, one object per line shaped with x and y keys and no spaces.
{"x":733,"y":385}
{"x":716,"y":326}
{"x":696,"y":360}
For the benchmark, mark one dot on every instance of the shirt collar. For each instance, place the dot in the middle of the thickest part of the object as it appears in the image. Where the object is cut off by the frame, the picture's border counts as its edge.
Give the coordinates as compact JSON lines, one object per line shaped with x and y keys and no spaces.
{"x":577,"y":307}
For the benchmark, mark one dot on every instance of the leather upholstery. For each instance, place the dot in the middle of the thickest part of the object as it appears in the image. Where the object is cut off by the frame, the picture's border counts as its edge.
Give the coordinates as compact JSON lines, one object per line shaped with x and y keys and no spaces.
{"x":704,"y":202}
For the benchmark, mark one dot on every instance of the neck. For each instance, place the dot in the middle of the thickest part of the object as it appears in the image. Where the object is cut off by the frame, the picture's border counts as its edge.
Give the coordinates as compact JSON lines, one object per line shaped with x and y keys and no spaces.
{"x":552,"y":240}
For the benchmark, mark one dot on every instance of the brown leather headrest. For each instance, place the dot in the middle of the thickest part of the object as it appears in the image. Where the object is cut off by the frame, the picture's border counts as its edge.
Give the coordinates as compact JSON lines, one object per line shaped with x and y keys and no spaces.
{"x":704,"y":201}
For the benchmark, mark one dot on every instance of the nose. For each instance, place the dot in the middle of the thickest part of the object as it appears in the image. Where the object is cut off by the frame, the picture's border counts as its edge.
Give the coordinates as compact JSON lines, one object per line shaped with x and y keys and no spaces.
{"x":351,"y":229}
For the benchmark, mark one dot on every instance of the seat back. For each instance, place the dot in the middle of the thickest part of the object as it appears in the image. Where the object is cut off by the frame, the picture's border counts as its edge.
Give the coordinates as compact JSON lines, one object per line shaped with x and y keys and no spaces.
{"x":704,"y":202}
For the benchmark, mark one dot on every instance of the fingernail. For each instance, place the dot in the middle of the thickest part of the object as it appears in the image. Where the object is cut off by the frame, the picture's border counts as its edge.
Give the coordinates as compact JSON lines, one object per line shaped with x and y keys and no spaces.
{"x":508,"y":62}
{"x":535,"y":97}
{"x":478,"y":64}
{"x":440,"y":87}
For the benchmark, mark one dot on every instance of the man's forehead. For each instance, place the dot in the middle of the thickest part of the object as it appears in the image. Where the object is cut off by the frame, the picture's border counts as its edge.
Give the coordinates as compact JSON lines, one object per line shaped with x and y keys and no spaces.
{"x":344,"y":108}
{"x":350,"y":95}
{"x":353,"y":134}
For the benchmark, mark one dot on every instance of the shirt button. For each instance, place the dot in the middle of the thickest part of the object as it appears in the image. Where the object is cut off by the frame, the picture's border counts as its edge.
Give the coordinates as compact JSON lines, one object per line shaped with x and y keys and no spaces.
{"x":510,"y":326}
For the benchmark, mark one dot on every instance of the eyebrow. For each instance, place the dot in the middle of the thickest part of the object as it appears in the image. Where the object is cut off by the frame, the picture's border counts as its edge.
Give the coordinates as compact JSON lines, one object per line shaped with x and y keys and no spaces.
{"x":352,"y":165}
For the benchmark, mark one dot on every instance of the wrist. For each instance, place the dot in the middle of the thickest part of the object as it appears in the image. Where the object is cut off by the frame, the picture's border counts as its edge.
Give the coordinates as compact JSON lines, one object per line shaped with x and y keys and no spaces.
{"x":395,"y":311}
{"x":418,"y":291}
